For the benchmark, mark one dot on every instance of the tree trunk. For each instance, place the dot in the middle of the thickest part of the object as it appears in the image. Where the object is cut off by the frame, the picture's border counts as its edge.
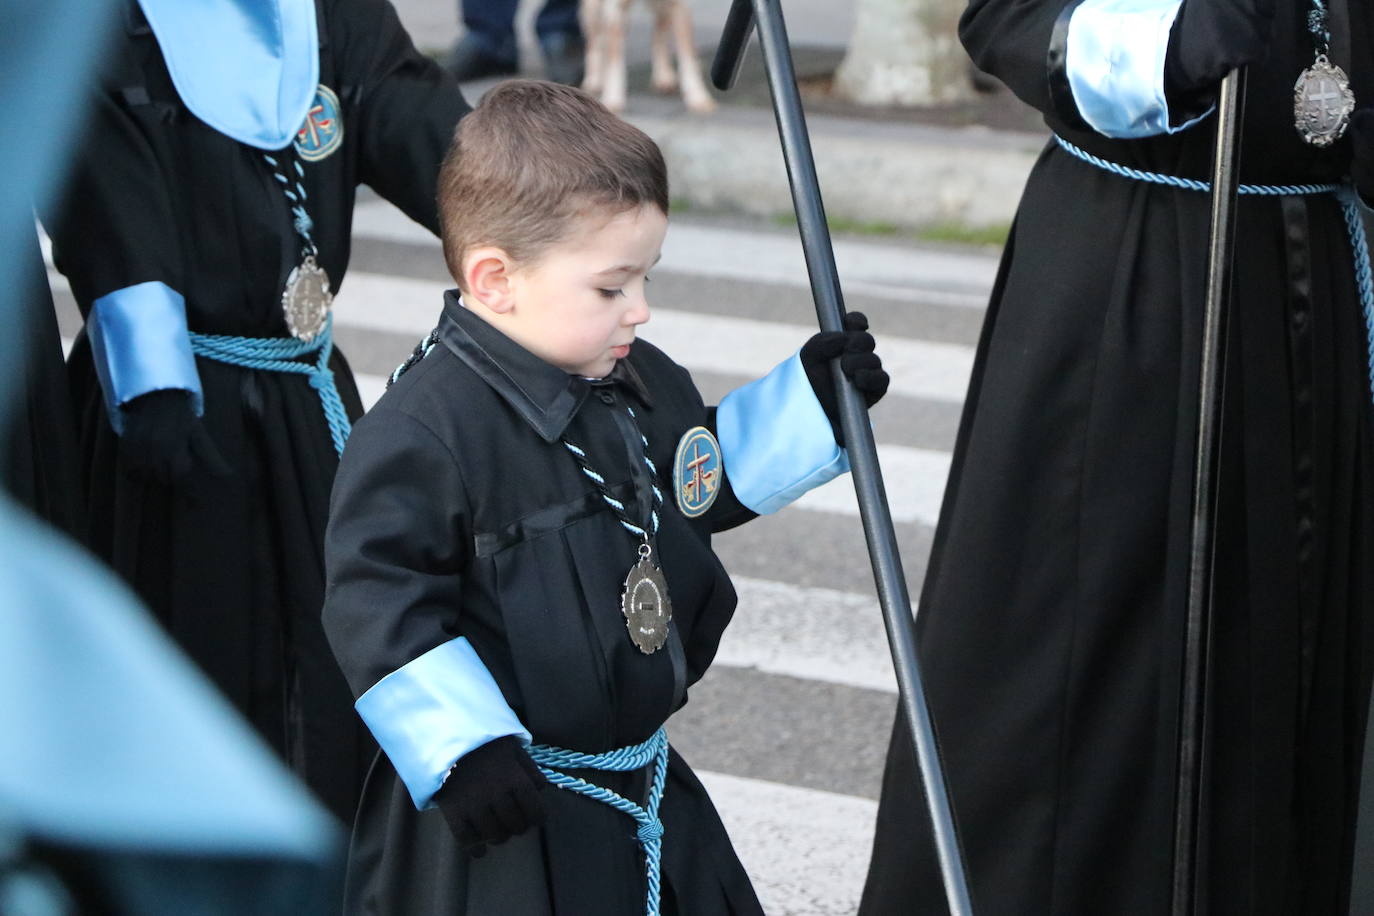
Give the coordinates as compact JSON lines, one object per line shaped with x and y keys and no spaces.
{"x":905,"y":52}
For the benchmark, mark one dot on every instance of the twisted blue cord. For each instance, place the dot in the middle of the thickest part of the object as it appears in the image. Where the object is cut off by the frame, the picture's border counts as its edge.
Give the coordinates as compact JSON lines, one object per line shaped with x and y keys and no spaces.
{"x":1350,"y":205}
{"x":278,"y":354}
{"x":618,"y":507}
{"x":650,"y":832}
{"x":422,"y":349}
{"x":302,"y":222}
{"x":1364,"y":277}
{"x":1192,"y":184}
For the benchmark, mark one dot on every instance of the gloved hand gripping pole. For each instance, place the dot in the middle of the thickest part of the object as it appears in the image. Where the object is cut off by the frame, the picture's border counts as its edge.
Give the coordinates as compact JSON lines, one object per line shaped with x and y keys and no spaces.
{"x":858,"y":434}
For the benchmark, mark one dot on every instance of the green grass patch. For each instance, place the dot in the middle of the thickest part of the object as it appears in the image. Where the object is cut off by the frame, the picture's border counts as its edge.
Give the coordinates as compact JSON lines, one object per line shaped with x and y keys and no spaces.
{"x":950,"y":233}
{"x":961,"y":234}
{"x":843,"y":225}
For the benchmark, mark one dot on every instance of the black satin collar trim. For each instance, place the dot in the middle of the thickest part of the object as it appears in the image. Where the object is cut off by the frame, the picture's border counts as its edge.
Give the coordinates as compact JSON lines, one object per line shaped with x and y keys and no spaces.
{"x":545,"y":396}
{"x":1056,"y":68}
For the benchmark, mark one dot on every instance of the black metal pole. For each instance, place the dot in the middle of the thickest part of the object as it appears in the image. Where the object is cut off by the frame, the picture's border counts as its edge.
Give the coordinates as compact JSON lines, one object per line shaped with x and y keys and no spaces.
{"x":863,"y":453}
{"x":1188,"y":802}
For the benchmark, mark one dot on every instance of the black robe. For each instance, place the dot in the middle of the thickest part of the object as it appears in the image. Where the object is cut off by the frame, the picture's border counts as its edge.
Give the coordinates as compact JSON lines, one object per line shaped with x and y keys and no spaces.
{"x":1051,"y":620}
{"x":232,"y":565}
{"x":38,"y":455}
{"x":458,"y":512}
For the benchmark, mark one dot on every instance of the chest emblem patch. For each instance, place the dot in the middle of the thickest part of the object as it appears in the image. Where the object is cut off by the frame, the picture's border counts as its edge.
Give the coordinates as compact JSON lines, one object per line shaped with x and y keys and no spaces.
{"x":322,"y":131}
{"x":697,"y":471}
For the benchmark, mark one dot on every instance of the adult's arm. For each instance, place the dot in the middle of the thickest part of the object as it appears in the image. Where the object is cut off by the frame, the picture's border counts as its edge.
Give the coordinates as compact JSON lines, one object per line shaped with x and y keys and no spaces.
{"x":115,"y":238}
{"x":409,"y":106}
{"x":1097,"y":64}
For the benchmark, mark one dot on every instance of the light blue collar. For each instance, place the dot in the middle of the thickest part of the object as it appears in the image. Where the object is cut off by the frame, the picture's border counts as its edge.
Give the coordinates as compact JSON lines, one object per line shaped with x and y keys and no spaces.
{"x":248,"y":68}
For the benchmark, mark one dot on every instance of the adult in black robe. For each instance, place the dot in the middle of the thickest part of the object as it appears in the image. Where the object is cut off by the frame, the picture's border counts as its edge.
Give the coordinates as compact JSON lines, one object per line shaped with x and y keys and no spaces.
{"x":126,"y":785}
{"x":1051,"y":619}
{"x":230,"y":558}
{"x":38,"y":454}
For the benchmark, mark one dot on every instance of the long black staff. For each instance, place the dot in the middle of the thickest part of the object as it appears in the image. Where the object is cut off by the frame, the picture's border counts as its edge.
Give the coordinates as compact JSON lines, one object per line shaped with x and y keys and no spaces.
{"x":1188,"y":804}
{"x":858,"y":434}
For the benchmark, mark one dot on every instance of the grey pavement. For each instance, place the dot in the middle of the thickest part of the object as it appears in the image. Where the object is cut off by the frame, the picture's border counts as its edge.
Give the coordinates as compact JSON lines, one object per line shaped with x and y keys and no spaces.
{"x":875,"y":168}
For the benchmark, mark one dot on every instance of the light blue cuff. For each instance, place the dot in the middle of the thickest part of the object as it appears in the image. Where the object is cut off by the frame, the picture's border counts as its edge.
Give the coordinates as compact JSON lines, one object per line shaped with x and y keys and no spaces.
{"x":775,"y":440}
{"x":434,"y":710}
{"x":1115,"y":62}
{"x":140,"y":344}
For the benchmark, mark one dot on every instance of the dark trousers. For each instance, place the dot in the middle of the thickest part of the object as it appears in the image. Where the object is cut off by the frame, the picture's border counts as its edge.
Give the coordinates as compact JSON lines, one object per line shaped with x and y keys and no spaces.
{"x":492,"y":23}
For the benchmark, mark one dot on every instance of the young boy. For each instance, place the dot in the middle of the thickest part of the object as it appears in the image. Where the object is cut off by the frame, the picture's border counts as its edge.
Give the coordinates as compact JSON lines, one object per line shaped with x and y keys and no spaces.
{"x":519,"y":548}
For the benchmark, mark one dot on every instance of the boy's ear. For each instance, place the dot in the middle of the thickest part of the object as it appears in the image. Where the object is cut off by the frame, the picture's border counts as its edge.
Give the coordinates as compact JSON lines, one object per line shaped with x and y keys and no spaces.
{"x":487,"y":274}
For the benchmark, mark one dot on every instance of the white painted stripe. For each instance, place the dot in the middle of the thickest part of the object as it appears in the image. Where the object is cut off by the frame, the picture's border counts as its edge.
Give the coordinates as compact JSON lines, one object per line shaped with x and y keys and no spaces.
{"x":914,"y":479}
{"x":805,"y":850}
{"x":817,"y":634}
{"x":708,"y":343}
{"x":370,"y":387}
{"x":890,"y":271}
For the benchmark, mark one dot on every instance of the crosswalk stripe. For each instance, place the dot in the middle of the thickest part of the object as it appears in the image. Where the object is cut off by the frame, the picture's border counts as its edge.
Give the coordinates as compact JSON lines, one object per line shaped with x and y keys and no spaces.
{"x":895,"y":272}
{"x":811,"y":633}
{"x":805,"y":850}
{"x":713,"y":343}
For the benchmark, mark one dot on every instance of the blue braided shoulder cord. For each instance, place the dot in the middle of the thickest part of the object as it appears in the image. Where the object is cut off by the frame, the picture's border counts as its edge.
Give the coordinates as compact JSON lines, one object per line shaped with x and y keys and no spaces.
{"x":650,"y":833}
{"x":278,"y":354}
{"x":1350,"y":205}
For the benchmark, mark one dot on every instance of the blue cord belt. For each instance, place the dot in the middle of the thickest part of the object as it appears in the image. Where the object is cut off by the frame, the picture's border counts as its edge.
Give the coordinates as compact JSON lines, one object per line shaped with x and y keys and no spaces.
{"x":281,"y":354}
{"x":650,"y":833}
{"x":1350,"y":204}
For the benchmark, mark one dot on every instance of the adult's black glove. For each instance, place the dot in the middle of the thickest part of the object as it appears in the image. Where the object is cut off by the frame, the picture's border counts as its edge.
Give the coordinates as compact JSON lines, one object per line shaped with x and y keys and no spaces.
{"x":1362,"y":153}
{"x":164,"y":441}
{"x":854,"y":346}
{"x":1210,"y":38}
{"x":491,"y":795}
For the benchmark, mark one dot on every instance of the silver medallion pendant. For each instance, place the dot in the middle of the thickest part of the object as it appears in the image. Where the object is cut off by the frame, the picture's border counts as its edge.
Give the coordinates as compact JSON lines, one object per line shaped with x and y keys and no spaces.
{"x":645,"y":604}
{"x":306,"y":299}
{"x":1322,"y":102}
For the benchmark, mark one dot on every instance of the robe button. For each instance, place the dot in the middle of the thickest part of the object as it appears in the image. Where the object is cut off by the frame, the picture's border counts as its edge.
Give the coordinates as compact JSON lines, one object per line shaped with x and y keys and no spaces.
{"x":606,"y":397}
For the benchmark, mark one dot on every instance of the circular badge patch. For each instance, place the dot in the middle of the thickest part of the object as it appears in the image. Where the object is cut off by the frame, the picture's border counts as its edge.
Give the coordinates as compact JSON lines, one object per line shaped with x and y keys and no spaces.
{"x":697,"y":471}
{"x":322,"y":131}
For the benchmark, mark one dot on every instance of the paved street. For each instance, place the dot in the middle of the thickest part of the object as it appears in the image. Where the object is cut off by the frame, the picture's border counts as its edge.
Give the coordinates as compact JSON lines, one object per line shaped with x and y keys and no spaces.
{"x":790,"y":726}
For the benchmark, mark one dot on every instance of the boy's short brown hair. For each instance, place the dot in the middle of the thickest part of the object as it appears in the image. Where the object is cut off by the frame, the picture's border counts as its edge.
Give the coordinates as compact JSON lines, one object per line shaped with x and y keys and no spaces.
{"x":532,"y":156}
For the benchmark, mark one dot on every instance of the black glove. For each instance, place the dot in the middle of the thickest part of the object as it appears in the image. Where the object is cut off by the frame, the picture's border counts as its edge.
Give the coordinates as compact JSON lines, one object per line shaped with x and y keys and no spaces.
{"x":1362,"y":153}
{"x":491,"y":795}
{"x":164,"y":441}
{"x":854,"y":346}
{"x":1210,"y":38}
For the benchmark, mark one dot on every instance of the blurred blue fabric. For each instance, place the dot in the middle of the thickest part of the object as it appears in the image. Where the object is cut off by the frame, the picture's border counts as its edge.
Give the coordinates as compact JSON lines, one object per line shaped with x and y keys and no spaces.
{"x":119,"y":761}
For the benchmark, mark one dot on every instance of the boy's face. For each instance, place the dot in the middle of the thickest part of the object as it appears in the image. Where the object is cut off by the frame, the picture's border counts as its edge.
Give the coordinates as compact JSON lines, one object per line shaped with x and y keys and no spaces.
{"x":578,"y":304}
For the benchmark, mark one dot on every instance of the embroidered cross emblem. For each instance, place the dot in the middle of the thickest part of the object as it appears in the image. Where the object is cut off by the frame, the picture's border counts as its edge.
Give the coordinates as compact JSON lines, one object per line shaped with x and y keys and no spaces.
{"x":317,"y":127}
{"x":701,"y":479}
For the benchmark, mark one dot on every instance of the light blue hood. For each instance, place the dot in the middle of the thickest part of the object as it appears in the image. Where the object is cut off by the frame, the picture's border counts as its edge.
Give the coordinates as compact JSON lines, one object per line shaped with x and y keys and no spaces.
{"x":248,"y":68}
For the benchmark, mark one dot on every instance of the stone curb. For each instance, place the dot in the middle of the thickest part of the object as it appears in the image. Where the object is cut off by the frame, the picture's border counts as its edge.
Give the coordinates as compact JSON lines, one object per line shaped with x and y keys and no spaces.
{"x":911,"y":177}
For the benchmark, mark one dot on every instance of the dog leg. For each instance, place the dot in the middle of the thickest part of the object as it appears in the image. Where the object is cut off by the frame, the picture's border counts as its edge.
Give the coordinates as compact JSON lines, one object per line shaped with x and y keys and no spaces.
{"x":613,"y":43}
{"x":664,"y":75}
{"x":694,"y":91}
{"x":594,"y":74}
